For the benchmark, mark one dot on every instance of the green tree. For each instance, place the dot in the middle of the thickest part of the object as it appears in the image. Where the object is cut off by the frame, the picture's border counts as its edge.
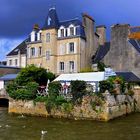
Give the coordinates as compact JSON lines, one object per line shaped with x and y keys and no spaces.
{"x":34,"y":74}
{"x":78,"y":89}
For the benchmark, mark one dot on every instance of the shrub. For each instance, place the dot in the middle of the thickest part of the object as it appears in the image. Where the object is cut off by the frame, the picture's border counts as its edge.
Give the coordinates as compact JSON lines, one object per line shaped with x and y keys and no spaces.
{"x":78,"y":89}
{"x":67,"y":107}
{"x":60,"y":100}
{"x":54,"y":88}
{"x":27,"y":92}
{"x":40,"y":99}
{"x":105,"y":85}
{"x":32,"y":73}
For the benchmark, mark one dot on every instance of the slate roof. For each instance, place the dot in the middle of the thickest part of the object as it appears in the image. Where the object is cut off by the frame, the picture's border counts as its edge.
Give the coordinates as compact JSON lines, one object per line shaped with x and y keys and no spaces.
{"x":21,"y":47}
{"x":9,"y":67}
{"x":54,"y":22}
{"x":75,"y":22}
{"x":128,"y":76}
{"x":101,"y":52}
{"x":135,"y":43}
{"x":8,"y":77}
{"x":52,"y":18}
{"x":134,"y":29}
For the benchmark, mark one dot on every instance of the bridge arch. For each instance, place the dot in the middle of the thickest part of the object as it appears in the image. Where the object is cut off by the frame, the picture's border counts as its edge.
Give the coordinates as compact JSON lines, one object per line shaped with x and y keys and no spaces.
{"x":4,"y":102}
{"x":4,"y":98}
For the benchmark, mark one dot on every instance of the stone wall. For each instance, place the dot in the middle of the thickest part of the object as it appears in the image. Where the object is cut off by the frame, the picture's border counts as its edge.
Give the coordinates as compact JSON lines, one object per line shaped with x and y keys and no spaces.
{"x":111,"y":108}
{"x":27,"y":107}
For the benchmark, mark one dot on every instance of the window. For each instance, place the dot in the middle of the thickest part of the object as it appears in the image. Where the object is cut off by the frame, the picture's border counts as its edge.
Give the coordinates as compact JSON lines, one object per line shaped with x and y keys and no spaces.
{"x":16,"y":62}
{"x":47,"y":55}
{"x":71,"y":66}
{"x":62,"y":32}
{"x":71,"y":47}
{"x":40,"y":51}
{"x":32,"y":51}
{"x":10,"y":62}
{"x":35,"y":36}
{"x":71,"y":31}
{"x":48,"y":37}
{"x":61,"y":66}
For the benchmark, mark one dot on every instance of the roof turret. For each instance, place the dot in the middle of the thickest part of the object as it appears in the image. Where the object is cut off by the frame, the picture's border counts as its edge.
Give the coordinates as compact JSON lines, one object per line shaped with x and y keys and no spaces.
{"x":51,"y":20}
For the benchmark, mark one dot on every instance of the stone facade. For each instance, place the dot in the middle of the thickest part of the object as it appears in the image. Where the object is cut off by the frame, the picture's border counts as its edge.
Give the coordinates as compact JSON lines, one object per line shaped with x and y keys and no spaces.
{"x":63,"y":47}
{"x":122,"y":55}
{"x":101,"y":31}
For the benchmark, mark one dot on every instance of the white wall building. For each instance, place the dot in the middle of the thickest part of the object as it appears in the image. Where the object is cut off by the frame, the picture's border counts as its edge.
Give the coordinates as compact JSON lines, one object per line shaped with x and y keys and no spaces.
{"x":17,"y":57}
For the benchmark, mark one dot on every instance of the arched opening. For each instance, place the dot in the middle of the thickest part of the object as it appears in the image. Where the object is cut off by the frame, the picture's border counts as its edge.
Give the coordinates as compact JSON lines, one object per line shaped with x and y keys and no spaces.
{"x":4,"y":102}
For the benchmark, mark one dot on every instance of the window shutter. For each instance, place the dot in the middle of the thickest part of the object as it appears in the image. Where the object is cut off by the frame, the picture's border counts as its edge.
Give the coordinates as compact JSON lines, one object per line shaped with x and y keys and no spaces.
{"x":75,"y":66}
{"x":75,"y":47}
{"x":68,"y":31}
{"x":36,"y":52}
{"x":74,"y":30}
{"x":59,"y":33}
{"x":28,"y":52}
{"x":38,"y":36}
{"x":67,"y":67}
{"x":58,"y":67}
{"x":67,"y":49}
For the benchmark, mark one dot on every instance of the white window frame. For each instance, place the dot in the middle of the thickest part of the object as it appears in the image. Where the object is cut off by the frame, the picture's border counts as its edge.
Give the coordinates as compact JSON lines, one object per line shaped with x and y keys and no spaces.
{"x":71,"y":48}
{"x":10,"y":62}
{"x":74,"y":30}
{"x":59,"y":31}
{"x":33,"y":52}
{"x":71,"y":66}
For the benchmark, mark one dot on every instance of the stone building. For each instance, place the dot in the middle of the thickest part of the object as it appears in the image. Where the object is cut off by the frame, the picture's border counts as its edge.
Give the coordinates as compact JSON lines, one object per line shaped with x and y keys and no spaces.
{"x":122,"y":53}
{"x":63,"y":46}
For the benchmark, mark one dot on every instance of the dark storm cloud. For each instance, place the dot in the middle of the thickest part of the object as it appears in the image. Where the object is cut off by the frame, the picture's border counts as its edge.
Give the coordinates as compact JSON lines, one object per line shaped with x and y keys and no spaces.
{"x":18,"y":16}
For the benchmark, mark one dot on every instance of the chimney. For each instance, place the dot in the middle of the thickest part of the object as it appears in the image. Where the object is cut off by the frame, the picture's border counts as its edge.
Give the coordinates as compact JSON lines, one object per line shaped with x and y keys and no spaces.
{"x":36,"y":27}
{"x":101,"y":31}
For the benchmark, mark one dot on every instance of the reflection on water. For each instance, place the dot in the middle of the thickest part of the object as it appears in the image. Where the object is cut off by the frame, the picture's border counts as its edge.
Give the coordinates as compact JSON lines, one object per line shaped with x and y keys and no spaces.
{"x":15,"y":127}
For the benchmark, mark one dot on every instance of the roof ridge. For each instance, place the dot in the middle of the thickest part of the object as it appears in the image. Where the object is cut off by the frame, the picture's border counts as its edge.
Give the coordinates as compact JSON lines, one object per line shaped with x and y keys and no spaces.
{"x":70,"y":19}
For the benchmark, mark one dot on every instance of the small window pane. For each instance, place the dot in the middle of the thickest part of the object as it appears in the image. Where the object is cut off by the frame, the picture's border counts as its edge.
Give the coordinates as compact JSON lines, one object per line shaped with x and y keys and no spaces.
{"x":16,"y":62}
{"x":71,"y":31}
{"x":48,"y":37}
{"x":71,"y":66}
{"x":62,"y":32}
{"x":32,"y":51}
{"x":62,"y":66}
{"x":47,"y":55}
{"x":71,"y":47}
{"x":10,"y":62}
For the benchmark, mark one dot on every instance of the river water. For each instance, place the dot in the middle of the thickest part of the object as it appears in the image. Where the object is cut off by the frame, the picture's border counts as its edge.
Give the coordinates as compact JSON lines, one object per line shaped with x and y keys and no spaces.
{"x":18,"y":127}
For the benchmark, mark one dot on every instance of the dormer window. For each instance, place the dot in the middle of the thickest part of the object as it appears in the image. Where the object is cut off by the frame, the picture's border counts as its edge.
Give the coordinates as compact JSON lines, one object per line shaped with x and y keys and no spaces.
{"x":62,"y":32}
{"x":71,"y":31}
